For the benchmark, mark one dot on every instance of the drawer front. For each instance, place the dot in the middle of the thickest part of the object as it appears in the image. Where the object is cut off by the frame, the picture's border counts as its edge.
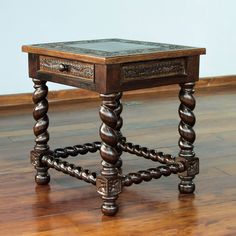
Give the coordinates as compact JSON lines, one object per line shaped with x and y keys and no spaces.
{"x":153,"y":69}
{"x":67,"y":67}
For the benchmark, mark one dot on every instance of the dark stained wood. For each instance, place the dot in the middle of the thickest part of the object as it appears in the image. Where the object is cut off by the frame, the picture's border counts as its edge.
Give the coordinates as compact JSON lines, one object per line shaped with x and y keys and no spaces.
{"x":67,"y":67}
{"x":112,"y":51}
{"x":110,"y":80}
{"x":109,"y":184}
{"x":192,"y":68}
{"x":187,"y":137}
{"x":40,"y":131}
{"x":33,"y":61}
{"x":120,"y":65}
{"x":71,"y":207}
{"x":153,"y":69}
{"x":67,"y":80}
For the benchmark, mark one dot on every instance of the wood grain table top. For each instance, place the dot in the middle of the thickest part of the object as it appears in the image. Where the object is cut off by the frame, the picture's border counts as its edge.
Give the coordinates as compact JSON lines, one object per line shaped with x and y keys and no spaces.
{"x":112,"y":51}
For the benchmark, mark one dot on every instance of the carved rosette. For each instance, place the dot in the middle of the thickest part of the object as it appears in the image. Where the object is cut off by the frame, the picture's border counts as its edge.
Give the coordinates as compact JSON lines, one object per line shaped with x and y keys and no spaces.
{"x":109,"y":184}
{"x":111,"y":187}
{"x":40,"y":130}
{"x":191,"y":167}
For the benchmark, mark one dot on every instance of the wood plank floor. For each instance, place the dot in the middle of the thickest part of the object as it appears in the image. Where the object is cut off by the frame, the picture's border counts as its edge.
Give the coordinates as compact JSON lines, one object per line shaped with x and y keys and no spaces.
{"x":71,"y":207}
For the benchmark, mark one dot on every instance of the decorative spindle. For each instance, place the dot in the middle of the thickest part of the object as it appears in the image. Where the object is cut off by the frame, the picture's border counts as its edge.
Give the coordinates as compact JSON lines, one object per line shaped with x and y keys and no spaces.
{"x":118,"y":110}
{"x":146,"y":153}
{"x":76,"y":150}
{"x":70,"y":169}
{"x":152,"y":173}
{"x":109,"y":183}
{"x":40,"y":131}
{"x":187,"y":137}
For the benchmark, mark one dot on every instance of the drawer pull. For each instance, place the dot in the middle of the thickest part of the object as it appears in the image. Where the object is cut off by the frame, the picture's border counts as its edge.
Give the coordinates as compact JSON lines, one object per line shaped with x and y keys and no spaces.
{"x":63,"y":67}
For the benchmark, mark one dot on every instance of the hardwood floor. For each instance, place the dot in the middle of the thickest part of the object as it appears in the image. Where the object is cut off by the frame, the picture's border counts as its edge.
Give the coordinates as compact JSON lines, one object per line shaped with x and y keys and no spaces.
{"x":71,"y":207}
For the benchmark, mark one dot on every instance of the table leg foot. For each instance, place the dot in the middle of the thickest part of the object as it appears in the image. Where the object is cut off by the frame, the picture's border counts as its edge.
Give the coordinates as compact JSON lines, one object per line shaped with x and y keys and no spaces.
{"x":186,"y":185}
{"x":109,"y":206}
{"x":42,"y":177}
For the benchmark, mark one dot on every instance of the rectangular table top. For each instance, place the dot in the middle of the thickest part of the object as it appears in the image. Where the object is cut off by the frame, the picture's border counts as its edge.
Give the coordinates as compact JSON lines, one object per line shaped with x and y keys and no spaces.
{"x":112,"y":51}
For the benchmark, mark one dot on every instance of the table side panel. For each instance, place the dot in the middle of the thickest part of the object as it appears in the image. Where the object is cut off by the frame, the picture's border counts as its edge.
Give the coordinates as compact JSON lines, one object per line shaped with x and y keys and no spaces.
{"x":193,"y":68}
{"x":33,"y":65}
{"x":107,"y":78}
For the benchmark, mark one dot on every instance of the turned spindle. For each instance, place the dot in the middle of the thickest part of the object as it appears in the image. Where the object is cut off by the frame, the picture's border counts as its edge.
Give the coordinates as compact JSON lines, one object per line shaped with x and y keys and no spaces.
{"x":40,"y":131}
{"x":187,"y":137}
{"x":109,"y":183}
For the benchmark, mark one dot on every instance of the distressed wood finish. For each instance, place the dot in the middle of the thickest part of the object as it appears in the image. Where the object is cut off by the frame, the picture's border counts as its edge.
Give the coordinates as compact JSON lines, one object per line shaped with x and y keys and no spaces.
{"x":110,"y":67}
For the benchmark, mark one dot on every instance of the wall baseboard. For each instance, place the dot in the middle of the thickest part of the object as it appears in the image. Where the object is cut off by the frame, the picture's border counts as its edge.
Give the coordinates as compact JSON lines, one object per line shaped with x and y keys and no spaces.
{"x":81,"y":95}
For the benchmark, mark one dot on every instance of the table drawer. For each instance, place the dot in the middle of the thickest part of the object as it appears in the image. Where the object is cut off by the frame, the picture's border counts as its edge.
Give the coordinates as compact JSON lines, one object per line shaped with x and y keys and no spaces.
{"x":67,"y":67}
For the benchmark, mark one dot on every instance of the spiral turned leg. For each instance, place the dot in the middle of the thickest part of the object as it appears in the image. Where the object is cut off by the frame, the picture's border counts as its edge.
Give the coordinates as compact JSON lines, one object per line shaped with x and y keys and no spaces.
{"x":118,"y":110}
{"x":187,"y":138}
{"x":40,"y":131}
{"x":109,"y":183}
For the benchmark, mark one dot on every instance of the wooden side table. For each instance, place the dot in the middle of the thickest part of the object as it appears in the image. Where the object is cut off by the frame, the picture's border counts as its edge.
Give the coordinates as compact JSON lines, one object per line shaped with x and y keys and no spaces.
{"x":109,"y":67}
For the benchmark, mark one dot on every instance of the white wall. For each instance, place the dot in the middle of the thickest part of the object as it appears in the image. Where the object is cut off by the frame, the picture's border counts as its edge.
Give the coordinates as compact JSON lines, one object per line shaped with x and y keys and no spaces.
{"x":204,"y":23}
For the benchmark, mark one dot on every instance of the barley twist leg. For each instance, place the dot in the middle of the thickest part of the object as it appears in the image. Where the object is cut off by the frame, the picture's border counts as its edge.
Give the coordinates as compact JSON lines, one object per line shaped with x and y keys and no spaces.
{"x":40,"y":131}
{"x":187,"y":137}
{"x":109,"y":183}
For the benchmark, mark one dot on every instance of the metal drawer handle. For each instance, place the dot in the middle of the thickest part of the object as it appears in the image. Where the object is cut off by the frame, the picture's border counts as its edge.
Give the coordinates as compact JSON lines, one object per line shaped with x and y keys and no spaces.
{"x":63,"y":67}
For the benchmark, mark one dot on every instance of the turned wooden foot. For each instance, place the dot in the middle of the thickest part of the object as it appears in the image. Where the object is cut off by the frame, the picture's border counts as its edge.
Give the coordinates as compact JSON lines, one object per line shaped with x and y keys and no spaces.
{"x":42,"y":177}
{"x":109,"y":206}
{"x":40,"y":131}
{"x":187,"y":138}
{"x":109,"y":183}
{"x":186,"y":185}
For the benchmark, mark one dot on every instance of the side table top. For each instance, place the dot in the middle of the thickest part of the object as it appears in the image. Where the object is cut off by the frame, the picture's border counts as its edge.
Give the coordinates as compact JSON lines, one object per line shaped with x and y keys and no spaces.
{"x":112,"y":51}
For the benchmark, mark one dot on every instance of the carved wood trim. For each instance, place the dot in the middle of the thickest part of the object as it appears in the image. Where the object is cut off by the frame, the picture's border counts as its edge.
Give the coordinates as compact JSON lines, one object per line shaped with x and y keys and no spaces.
{"x":108,"y":187}
{"x":74,"y":68}
{"x":80,"y":50}
{"x":153,"y":69}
